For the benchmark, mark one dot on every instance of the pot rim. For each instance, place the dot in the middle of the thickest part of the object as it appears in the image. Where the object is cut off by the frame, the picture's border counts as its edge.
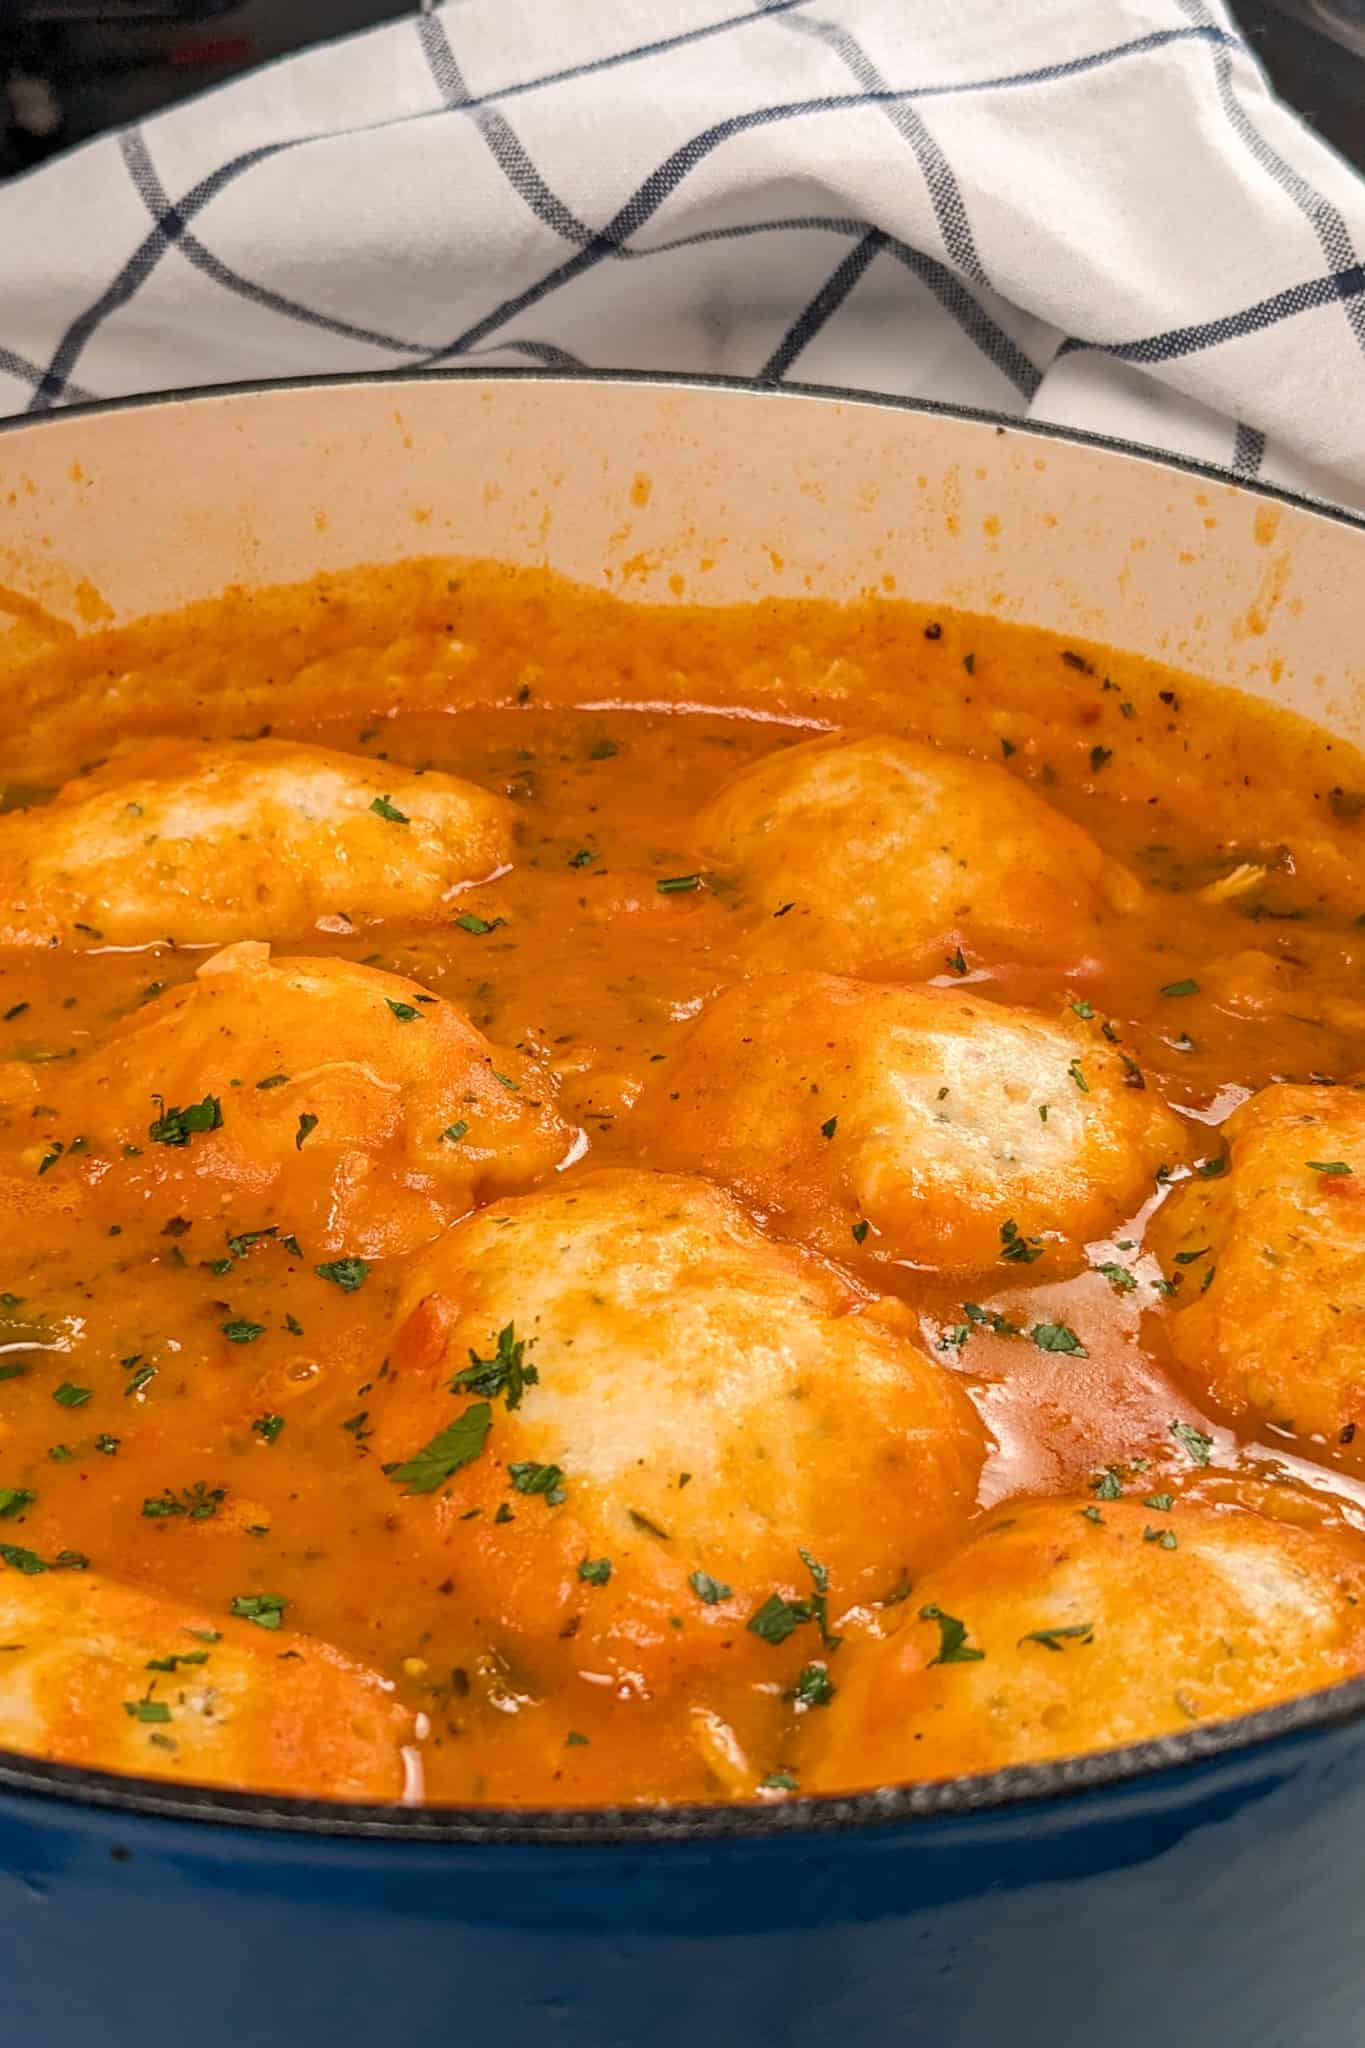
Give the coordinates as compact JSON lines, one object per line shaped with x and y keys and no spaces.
{"x":996,"y":1793}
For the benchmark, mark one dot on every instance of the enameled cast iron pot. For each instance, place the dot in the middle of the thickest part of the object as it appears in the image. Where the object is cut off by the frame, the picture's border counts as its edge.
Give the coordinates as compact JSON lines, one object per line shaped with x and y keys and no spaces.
{"x":1203,"y":1891}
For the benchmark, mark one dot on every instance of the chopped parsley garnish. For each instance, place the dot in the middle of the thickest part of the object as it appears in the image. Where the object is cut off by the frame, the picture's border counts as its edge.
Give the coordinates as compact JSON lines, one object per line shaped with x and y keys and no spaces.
{"x":454,"y":1132}
{"x":1188,"y":987}
{"x":69,"y":1396}
{"x":1329,"y":1166}
{"x":404,"y":1012}
{"x":1058,"y":1337}
{"x":677,"y":885}
{"x":1075,"y":1070}
{"x":293,"y":1325}
{"x":265,"y":1609}
{"x":1193,"y":1440}
{"x":347,"y":1274}
{"x":175,"y":1658}
{"x":470,"y":921}
{"x":242,"y":1331}
{"x":242,"y":1242}
{"x":953,"y":1647}
{"x":1162,"y":1502}
{"x":603,"y":750}
{"x":1189,"y":1258}
{"x":273,"y":1081}
{"x":1165,"y":1537}
{"x":382,"y":808}
{"x":829,"y":1127}
{"x":582,"y":859}
{"x":1082,"y":1008}
{"x":307,"y":1123}
{"x":13,"y":1372}
{"x":147,"y":1710}
{"x":777,"y":1618}
{"x":1054,"y":1638}
{"x":814,"y":1687}
{"x":178,"y":1126}
{"x":459,"y":1443}
{"x":529,"y":1477}
{"x":505,"y":1373}
{"x":1211,"y":1169}
{"x":596,"y":1570}
{"x":860,"y":1231}
{"x":267,"y":1427}
{"x":779,"y":1781}
{"x":1119,"y":1277}
{"x":1098,"y":758}
{"x":13,"y":1501}
{"x":1092,"y":1514}
{"x":1017,"y":1250}
{"x":573,"y":1740}
{"x":15,"y":1010}
{"x":198,"y":1503}
{"x":708,"y":1590}
{"x":20,"y":1560}
{"x":140,"y":1378}
{"x":957,"y":960}
{"x":1106,"y":1485}
{"x":648,"y":1528}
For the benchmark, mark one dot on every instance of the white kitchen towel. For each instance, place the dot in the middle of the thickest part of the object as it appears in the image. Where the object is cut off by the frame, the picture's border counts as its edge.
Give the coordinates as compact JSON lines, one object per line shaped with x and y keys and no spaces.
{"x":1092,"y":212}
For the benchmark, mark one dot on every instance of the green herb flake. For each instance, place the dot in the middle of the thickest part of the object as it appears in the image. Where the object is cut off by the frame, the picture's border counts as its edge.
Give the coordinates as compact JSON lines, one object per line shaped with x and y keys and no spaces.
{"x":404,"y":1012}
{"x":1077,"y":1074}
{"x":273,"y":1081}
{"x":779,"y":1781}
{"x":265,"y":1609}
{"x":505,"y":1373}
{"x":147,"y":1710}
{"x":178,"y":1126}
{"x":1162,"y":1502}
{"x":454,"y":1132}
{"x":1188,"y":987}
{"x":347,"y":1274}
{"x":267,"y":1427}
{"x":1328,"y":1166}
{"x":175,"y":1658}
{"x":829,"y":1127}
{"x":677,"y":885}
{"x":1082,"y":1008}
{"x":107,"y":1444}
{"x":1165,"y":1537}
{"x":1099,"y":758}
{"x":1092,"y":1514}
{"x":382,"y":808}
{"x":1017,"y":1250}
{"x":708,"y":1590}
{"x":1193,"y":1440}
{"x":307,"y":1123}
{"x":459,"y":1443}
{"x":814,"y":1687}
{"x":1058,"y":1337}
{"x":20,"y":1560}
{"x":1106,"y":1485}
{"x":241,"y":1331}
{"x":141,"y":1378}
{"x":470,"y":921}
{"x":582,"y":859}
{"x":953,"y":1647}
{"x":13,"y":1501}
{"x":529,"y":1477}
{"x":69,"y":1396}
{"x":595,"y":1570}
{"x":1054,"y":1638}
{"x":860,"y":1231}
{"x":777,"y":1618}
{"x":1119,"y":1277}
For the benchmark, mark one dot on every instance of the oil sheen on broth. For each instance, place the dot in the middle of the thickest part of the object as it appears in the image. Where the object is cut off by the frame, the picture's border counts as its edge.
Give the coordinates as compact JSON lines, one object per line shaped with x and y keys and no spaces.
{"x":616,"y":1203}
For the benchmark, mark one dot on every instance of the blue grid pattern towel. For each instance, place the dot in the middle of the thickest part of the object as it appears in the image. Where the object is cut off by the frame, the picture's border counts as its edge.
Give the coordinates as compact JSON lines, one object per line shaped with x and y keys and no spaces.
{"x":1091,"y":211}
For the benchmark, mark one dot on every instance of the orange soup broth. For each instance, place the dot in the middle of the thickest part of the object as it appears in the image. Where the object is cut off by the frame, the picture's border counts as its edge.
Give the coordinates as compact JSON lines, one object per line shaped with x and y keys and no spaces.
{"x":609,"y":726}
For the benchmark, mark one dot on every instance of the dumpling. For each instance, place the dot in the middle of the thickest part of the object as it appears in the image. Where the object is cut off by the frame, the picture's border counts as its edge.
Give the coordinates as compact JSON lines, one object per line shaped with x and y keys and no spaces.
{"x":634,"y":1436}
{"x":201,"y":843}
{"x":885,"y":855}
{"x":929,"y":1125}
{"x":1269,"y":1257}
{"x":343,"y":1102}
{"x":1070,"y":1626}
{"x":122,"y":1678}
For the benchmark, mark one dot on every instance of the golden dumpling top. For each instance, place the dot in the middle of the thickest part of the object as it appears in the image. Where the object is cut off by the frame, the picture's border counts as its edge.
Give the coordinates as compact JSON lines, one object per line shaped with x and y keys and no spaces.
{"x":885,"y":855}
{"x":200,"y":843}
{"x":919,"y":1124}
{"x":710,"y":1404}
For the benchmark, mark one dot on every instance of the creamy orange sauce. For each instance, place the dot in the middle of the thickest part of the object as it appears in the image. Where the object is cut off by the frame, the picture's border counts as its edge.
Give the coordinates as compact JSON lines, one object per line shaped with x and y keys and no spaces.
{"x":608,"y":727}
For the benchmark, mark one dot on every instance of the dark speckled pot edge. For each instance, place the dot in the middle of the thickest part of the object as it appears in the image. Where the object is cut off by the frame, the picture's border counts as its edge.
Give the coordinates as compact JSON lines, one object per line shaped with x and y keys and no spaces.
{"x":993,"y":1792}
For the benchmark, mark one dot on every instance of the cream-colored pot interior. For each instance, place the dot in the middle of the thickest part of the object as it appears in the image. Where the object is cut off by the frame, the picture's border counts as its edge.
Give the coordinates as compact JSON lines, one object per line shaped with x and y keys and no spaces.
{"x":673,"y":491}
